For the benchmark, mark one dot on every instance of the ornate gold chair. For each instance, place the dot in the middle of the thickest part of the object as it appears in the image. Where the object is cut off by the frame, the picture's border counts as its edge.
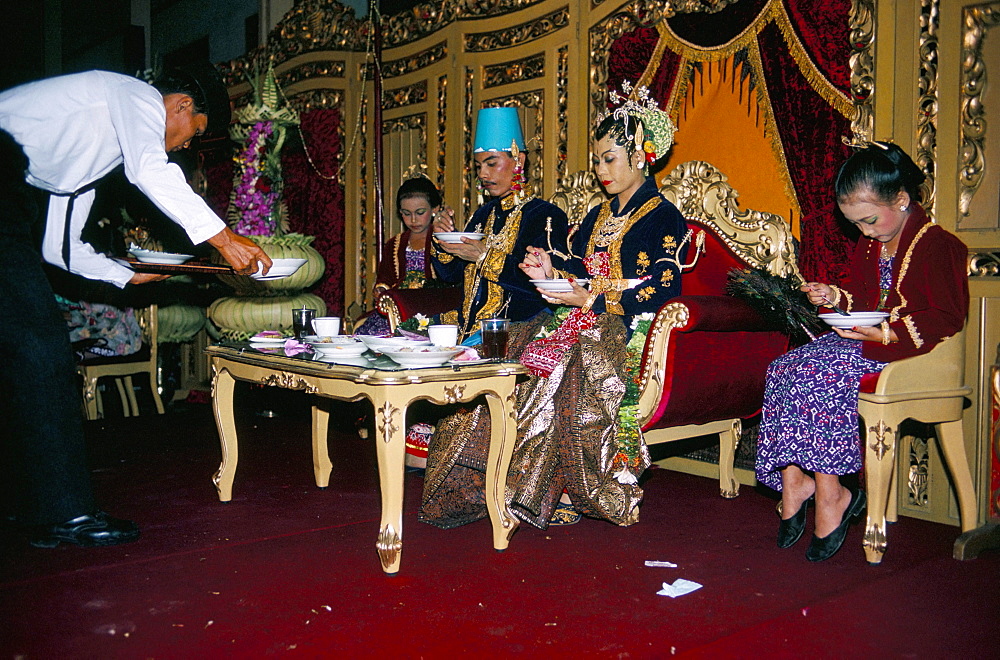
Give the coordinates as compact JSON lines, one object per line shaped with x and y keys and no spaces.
{"x":707,"y":352}
{"x":122,"y":369}
{"x":928,"y":388}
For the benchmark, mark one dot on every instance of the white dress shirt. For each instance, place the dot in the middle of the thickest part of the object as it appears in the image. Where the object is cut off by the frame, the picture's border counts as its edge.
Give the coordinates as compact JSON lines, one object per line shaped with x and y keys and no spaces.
{"x":75,"y":129}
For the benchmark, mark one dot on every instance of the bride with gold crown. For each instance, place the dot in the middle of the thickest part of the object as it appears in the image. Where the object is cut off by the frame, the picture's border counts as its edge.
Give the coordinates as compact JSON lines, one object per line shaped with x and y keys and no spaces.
{"x":579,"y":450}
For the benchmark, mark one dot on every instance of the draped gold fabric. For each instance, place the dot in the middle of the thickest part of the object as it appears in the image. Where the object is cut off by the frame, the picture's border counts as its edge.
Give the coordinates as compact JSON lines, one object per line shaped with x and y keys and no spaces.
{"x":567,"y":426}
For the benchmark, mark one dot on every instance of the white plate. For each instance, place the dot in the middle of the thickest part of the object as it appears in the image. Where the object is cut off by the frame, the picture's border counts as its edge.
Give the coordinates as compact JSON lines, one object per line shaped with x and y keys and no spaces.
{"x":352,"y":349}
{"x":423,"y":357}
{"x":280,"y":269}
{"x":854,"y":319}
{"x":356,"y":361}
{"x":459,"y":363}
{"x":379,"y":344}
{"x":456,"y":236}
{"x":269,"y":341}
{"x":154,"y":257}
{"x":558,"y":285}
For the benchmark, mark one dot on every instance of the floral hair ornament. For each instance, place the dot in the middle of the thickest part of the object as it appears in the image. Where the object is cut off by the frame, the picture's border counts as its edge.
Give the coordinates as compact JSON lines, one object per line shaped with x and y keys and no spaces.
{"x":657,"y":129}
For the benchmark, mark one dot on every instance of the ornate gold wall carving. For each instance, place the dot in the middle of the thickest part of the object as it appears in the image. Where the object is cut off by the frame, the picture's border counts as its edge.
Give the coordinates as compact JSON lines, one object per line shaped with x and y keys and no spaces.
{"x":516,"y":70}
{"x":562,"y":111}
{"x":985,"y":264}
{"x":428,"y":18}
{"x":862,"y":64}
{"x":517,"y":35}
{"x":976,"y":21}
{"x":925,"y":155}
{"x":422,"y":60}
{"x":402,"y":96}
{"x":311,"y":71}
{"x":442,"y":114}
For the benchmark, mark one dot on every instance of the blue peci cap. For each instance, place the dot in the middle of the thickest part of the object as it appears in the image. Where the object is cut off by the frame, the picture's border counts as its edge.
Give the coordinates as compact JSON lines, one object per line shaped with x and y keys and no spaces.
{"x":496,"y":129}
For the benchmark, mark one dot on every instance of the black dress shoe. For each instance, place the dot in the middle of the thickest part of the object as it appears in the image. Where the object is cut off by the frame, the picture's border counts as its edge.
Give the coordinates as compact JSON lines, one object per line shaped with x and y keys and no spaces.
{"x":98,"y":529}
{"x":826,"y":547}
{"x":790,"y":530}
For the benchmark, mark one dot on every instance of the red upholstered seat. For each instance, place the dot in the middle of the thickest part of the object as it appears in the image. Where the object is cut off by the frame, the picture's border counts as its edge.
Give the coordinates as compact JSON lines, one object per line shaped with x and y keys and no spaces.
{"x":401,"y":304}
{"x":868,"y":383}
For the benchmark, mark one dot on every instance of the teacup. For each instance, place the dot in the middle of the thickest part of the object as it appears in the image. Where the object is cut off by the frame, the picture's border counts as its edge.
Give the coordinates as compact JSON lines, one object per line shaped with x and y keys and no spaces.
{"x":443,"y":335}
{"x":326,"y":326}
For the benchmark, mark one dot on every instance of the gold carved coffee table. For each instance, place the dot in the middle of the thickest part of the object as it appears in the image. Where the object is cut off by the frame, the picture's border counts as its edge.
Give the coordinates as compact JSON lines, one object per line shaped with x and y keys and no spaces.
{"x":391,"y":389}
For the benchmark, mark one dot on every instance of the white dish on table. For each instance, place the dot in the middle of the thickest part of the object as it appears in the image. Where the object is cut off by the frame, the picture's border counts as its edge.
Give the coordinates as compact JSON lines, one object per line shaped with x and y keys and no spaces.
{"x":380,"y":344}
{"x":336,"y":345}
{"x":457,"y":236}
{"x":280,"y":269}
{"x":853,"y":319}
{"x":268,"y":340}
{"x":558,"y":285}
{"x":163,"y":258}
{"x":353,"y":360}
{"x":423,"y":356}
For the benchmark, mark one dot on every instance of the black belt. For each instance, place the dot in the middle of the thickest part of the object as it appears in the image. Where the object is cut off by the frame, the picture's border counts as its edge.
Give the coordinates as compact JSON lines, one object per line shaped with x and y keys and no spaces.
{"x":69,"y":215}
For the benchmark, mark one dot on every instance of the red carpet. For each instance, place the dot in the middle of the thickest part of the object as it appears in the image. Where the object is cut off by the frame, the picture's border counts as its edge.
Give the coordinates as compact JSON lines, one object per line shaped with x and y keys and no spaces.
{"x":286,"y":568}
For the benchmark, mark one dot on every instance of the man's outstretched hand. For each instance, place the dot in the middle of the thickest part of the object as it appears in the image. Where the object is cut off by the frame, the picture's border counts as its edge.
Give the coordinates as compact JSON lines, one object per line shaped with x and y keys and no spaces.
{"x":240,"y":252}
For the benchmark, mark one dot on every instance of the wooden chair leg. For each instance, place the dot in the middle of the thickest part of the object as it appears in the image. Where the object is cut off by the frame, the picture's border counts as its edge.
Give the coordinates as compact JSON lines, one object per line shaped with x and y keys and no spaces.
{"x":155,"y":389}
{"x":729,"y":488}
{"x":126,"y":408}
{"x":880,"y":462}
{"x":92,"y":398}
{"x":892,"y":505}
{"x":130,"y":391}
{"x":952,"y":440}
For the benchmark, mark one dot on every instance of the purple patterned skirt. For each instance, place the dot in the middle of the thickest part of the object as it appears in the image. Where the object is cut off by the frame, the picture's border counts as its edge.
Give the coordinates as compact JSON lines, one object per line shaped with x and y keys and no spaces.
{"x":810,"y":415}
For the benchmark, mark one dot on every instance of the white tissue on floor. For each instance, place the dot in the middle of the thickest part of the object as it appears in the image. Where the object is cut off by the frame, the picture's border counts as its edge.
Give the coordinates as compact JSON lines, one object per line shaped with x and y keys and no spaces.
{"x":660,"y":564}
{"x":678,"y":588}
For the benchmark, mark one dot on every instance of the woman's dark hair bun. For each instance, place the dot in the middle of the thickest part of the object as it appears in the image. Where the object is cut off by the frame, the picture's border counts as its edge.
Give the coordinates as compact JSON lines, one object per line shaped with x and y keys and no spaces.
{"x":419,"y":186}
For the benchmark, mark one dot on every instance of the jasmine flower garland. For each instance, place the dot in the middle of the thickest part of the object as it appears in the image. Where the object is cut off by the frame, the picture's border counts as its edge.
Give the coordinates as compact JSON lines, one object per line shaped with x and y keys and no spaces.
{"x":629,"y":435}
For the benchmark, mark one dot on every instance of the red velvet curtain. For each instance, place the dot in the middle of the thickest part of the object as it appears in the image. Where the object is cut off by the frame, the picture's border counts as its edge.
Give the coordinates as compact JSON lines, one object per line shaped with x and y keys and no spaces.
{"x":809,"y":126}
{"x":316,"y":203}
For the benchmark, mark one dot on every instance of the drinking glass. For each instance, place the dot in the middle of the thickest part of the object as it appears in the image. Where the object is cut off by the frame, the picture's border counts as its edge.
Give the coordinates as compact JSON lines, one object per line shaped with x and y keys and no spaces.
{"x":495,"y":333}
{"x":302,"y":320}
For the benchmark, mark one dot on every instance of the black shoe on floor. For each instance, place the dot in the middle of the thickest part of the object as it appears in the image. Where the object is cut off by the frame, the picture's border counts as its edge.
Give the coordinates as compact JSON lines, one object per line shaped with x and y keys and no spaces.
{"x":98,"y":529}
{"x":790,"y":530}
{"x":826,"y":547}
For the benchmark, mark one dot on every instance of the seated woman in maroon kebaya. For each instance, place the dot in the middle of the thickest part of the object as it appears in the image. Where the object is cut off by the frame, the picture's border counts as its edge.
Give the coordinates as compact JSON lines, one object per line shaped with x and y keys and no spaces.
{"x":405,"y":262}
{"x":904,"y":265}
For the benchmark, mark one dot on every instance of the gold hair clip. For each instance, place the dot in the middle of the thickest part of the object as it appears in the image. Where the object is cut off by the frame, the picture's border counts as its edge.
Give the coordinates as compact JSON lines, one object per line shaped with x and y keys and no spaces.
{"x":414,"y":171}
{"x":862,"y":143}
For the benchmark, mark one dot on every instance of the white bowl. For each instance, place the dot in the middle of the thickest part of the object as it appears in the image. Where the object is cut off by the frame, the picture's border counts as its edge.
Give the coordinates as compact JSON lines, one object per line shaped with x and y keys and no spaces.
{"x":854,"y":319}
{"x":456,"y":236}
{"x":423,"y":356}
{"x":336,"y":345}
{"x":380,"y":344}
{"x":154,"y":257}
{"x":557,"y":285}
{"x":280,"y":269}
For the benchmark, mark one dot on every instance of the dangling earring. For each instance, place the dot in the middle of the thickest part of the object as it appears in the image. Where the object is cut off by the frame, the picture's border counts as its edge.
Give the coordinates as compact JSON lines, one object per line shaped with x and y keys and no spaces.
{"x":904,"y":209}
{"x":517,"y":183}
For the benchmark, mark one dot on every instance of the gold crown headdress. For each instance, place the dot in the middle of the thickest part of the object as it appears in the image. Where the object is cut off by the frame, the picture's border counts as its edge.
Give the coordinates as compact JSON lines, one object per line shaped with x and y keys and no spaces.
{"x":658,"y":129}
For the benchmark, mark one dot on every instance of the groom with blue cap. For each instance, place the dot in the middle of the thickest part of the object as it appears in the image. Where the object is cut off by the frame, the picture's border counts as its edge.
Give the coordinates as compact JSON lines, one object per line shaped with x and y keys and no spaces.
{"x":494,"y":285}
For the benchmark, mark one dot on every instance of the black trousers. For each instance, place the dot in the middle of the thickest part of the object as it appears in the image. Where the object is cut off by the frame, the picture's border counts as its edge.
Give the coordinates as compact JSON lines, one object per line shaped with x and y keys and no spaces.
{"x":45,"y":477}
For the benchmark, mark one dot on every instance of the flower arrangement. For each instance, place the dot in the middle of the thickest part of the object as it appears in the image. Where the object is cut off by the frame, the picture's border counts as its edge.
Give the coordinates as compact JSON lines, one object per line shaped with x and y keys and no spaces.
{"x":261,"y":127}
{"x":254,"y":195}
{"x":416,"y":324}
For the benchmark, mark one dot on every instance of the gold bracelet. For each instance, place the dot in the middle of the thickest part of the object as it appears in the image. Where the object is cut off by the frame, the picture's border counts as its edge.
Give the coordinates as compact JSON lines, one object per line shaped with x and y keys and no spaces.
{"x":885,"y":333}
{"x":481,"y":257}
